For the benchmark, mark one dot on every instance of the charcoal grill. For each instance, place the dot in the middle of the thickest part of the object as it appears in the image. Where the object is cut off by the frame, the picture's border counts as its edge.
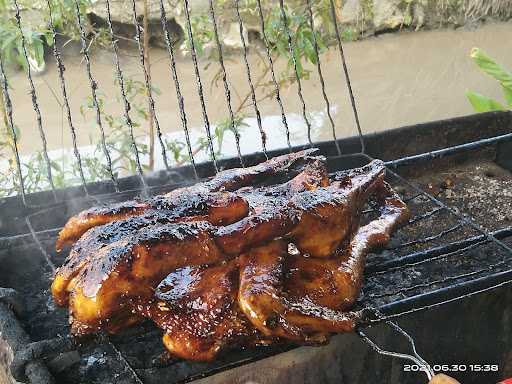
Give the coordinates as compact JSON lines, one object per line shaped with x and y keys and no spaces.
{"x":442,"y":256}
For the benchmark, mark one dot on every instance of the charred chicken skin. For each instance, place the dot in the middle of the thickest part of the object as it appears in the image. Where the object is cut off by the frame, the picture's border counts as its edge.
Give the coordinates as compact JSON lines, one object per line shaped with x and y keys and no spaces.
{"x":182,"y":198}
{"x":228,"y":262}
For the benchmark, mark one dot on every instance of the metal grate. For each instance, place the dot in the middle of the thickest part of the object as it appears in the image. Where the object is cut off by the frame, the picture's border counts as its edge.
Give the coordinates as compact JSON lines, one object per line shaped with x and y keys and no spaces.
{"x":413,"y":273}
{"x":483,"y":259}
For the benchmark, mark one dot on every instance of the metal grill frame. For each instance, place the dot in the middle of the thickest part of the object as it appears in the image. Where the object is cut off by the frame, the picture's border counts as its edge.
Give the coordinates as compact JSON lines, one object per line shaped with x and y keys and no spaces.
{"x":34,"y":351}
{"x":23,"y":366}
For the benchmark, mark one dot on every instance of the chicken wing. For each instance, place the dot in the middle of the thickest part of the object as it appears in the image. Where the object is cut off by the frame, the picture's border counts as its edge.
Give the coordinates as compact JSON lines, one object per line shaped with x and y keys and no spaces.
{"x":263,"y":300}
{"x":303,"y":298}
{"x":217,"y":208}
{"x":335,"y":282}
{"x":318,"y":218}
{"x":134,"y":267}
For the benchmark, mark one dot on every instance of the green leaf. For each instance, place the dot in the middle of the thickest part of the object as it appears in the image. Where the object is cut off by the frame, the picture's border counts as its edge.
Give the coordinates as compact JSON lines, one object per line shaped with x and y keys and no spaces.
{"x":482,"y":103}
{"x":508,"y":95}
{"x":489,"y":66}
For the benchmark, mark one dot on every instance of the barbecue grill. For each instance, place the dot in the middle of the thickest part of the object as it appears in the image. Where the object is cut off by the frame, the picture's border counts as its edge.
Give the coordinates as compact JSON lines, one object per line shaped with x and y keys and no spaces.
{"x":444,"y":255}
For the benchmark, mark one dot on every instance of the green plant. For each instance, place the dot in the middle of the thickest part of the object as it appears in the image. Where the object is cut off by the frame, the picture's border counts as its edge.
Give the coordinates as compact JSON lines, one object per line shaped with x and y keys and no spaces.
{"x":483,"y":103}
{"x":302,"y":38}
{"x":36,"y":33}
{"x":202,"y":34}
{"x":118,"y":137}
{"x":275,"y":30}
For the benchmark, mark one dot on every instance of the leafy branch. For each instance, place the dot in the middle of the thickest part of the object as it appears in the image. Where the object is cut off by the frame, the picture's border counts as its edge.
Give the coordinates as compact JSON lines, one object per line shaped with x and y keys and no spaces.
{"x":489,"y":66}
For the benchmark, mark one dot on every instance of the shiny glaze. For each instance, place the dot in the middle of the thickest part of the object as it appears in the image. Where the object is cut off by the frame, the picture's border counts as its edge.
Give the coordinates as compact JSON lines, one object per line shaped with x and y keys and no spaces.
{"x":134,"y":266}
{"x":217,"y":208}
{"x":197,"y":309}
{"x":264,"y":301}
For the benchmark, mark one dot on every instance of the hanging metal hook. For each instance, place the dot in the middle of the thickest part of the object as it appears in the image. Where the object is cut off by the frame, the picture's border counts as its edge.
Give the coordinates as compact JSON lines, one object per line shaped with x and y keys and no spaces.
{"x":415,"y":357}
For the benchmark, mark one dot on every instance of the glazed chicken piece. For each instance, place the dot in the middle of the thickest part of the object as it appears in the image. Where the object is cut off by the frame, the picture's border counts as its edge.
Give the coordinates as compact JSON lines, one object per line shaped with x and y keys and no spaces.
{"x":304,"y":298}
{"x":264,"y":301}
{"x":217,"y":208}
{"x":197,"y":309}
{"x":228,"y":180}
{"x":100,"y":291}
{"x":317,"y":218}
{"x":109,"y":266}
{"x":335,"y":282}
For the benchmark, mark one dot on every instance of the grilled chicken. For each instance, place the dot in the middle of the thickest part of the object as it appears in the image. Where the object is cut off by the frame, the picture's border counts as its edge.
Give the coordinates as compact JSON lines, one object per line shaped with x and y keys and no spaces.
{"x":282,"y":296}
{"x":224,"y":263}
{"x":229,"y":180}
{"x":103,"y":269}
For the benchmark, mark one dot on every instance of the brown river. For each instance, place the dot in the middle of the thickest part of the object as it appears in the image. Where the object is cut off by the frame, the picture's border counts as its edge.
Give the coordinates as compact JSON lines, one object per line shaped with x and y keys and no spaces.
{"x":398,"y":79}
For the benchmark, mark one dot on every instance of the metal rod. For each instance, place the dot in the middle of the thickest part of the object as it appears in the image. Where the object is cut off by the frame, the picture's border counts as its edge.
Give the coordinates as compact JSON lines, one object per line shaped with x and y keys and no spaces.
{"x":454,"y":293}
{"x":321,"y":77}
{"x":487,"y":269}
{"x":147,"y":81}
{"x":409,"y":338}
{"x":227,"y":91}
{"x":398,"y":355}
{"x":199,"y":84}
{"x":450,"y":150}
{"x":8,"y":109}
{"x":126,"y":103}
{"x":94,"y":85}
{"x":273,"y":75}
{"x":60,"y":69}
{"x":35,"y":103}
{"x":291,"y":49}
{"x":127,"y":365}
{"x":263,"y":135}
{"x":181,"y":101}
{"x":347,"y":76}
{"x":428,"y":238}
{"x":38,"y":243}
{"x":421,"y":257}
{"x":426,"y":215}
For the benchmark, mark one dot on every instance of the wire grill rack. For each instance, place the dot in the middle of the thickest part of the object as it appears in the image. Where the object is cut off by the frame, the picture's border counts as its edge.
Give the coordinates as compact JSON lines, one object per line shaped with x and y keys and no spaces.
{"x":439,"y":256}
{"x":415,"y":272}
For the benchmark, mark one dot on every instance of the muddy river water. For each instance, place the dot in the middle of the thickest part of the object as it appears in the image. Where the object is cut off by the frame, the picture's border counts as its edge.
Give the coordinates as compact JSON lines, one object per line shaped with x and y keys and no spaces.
{"x":398,"y":79}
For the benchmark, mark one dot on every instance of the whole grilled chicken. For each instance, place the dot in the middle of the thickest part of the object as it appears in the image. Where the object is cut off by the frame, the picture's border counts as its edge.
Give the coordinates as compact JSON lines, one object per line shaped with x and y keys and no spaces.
{"x":233,"y":261}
